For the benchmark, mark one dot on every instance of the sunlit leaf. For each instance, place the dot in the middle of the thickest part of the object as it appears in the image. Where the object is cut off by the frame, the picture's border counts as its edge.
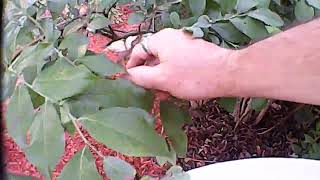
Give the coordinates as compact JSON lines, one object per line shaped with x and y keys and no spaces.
{"x":101,"y":65}
{"x":76,"y":45}
{"x":19,"y":115}
{"x":107,"y":93}
{"x":47,"y":140}
{"x":267,"y":16}
{"x":117,"y":169}
{"x":127,"y":131}
{"x":62,"y":80}
{"x":303,"y":12}
{"x":81,"y":166}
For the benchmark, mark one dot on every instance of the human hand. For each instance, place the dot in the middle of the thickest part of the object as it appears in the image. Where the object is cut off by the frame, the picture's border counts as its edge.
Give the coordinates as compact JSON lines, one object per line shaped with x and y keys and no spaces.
{"x":185,"y":67}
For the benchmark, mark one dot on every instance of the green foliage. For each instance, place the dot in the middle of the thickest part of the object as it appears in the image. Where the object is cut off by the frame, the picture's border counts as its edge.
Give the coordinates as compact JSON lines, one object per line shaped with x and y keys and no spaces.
{"x":117,"y":169}
{"x":60,"y":80}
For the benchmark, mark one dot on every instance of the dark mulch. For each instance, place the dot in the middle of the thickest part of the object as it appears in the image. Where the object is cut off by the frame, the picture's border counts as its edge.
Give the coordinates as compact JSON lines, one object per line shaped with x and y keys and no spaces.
{"x":214,"y":138}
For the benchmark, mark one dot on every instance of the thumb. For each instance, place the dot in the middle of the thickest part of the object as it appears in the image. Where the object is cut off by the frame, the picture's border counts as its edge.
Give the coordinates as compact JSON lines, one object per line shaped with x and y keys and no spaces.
{"x":146,"y":76}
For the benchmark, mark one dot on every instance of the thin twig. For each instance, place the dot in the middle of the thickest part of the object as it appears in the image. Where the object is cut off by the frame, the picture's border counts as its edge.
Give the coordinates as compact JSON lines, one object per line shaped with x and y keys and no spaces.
{"x":263,"y":112}
{"x":64,"y":57}
{"x":85,"y":140}
{"x":36,"y":23}
{"x":246,"y":112}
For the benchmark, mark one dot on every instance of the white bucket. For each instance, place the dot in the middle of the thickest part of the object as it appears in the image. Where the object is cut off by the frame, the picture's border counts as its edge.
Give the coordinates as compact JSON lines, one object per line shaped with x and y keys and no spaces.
{"x":259,"y":169}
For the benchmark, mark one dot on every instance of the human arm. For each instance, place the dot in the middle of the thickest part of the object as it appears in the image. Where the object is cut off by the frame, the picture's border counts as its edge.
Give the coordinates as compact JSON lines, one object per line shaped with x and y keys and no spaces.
{"x":285,"y":66}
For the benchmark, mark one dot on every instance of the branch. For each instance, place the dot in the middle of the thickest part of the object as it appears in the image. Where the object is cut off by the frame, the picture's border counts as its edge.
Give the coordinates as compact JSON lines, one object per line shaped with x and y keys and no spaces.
{"x":36,"y":23}
{"x":263,"y":112}
{"x":85,"y":140}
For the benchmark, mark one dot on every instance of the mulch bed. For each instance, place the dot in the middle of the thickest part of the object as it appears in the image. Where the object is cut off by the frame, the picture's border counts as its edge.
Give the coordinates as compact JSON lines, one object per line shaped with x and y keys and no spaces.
{"x":212,"y":135}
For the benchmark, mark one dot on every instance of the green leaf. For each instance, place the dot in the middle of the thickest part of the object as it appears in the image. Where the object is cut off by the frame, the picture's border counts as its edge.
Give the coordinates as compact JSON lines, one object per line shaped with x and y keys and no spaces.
{"x":203,"y":22}
{"x":228,"y":103}
{"x":33,"y":55}
{"x":273,"y":30}
{"x":250,"y":27}
{"x":318,"y":126}
{"x":98,"y":22}
{"x":25,"y":36}
{"x":173,"y":118}
{"x":61,"y":80}
{"x":56,"y":6}
{"x":66,"y":121}
{"x":102,"y":5}
{"x":51,"y":34}
{"x":74,"y":26}
{"x":314,"y":3}
{"x":245,"y":5}
{"x":24,"y":3}
{"x":196,"y":31}
{"x":228,"y":32}
{"x":161,"y":160}
{"x":197,"y":6}
{"x":47,"y":140}
{"x":76,"y":44}
{"x":101,"y":65}
{"x":176,"y":173}
{"x":127,"y":131}
{"x":175,"y":19}
{"x":81,"y":166}
{"x":214,"y":10}
{"x":117,"y":169}
{"x":10,"y":39}
{"x":214,"y":39}
{"x":135,"y":18}
{"x":107,"y":93}
{"x":148,"y":178}
{"x":296,"y":148}
{"x":19,"y":115}
{"x":263,"y":3}
{"x":18,"y":177}
{"x":227,"y":5}
{"x":37,"y":99}
{"x":308,"y":139}
{"x":303,"y":12}
{"x":8,"y":84}
{"x":258,"y":104}
{"x":267,"y":16}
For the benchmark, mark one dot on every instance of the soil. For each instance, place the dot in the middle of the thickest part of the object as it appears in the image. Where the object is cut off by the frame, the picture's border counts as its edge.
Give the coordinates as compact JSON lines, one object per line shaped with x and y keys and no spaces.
{"x":213,"y":136}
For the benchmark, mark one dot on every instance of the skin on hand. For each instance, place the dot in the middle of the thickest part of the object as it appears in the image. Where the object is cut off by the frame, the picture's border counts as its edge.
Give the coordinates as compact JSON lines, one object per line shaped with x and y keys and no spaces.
{"x":185,"y":67}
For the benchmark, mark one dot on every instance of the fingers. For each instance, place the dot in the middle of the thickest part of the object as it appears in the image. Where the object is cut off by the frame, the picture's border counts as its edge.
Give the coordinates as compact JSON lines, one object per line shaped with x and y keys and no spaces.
{"x":146,"y":76}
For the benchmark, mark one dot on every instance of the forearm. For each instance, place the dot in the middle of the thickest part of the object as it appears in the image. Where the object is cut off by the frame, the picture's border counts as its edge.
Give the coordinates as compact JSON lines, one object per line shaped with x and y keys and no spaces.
{"x":285,"y":66}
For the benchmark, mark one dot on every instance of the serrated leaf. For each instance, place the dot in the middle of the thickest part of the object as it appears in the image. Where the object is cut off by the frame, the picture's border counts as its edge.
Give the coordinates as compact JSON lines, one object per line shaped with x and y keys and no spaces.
{"x":127,"y":131}
{"x":173,"y":118}
{"x":176,"y":173}
{"x":250,"y":27}
{"x":303,"y":12}
{"x":101,"y":65}
{"x":106,"y":93}
{"x":230,"y":33}
{"x":263,"y":3}
{"x":74,"y":26}
{"x":308,"y":139}
{"x":197,"y":6}
{"x":267,"y":16}
{"x":258,"y":103}
{"x":135,"y":18}
{"x":228,"y":103}
{"x":19,"y":115}
{"x":175,"y":19}
{"x":245,"y":5}
{"x":81,"y":166}
{"x":314,"y":3}
{"x":19,"y":177}
{"x":8,"y":84}
{"x":47,"y":140}
{"x":117,"y":169}
{"x":228,"y":5}
{"x":98,"y":22}
{"x":76,"y":45}
{"x":33,"y":55}
{"x":62,"y":80}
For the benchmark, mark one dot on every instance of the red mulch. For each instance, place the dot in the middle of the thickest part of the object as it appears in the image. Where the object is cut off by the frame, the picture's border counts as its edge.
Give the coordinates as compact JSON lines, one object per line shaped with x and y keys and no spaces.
{"x":15,"y":159}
